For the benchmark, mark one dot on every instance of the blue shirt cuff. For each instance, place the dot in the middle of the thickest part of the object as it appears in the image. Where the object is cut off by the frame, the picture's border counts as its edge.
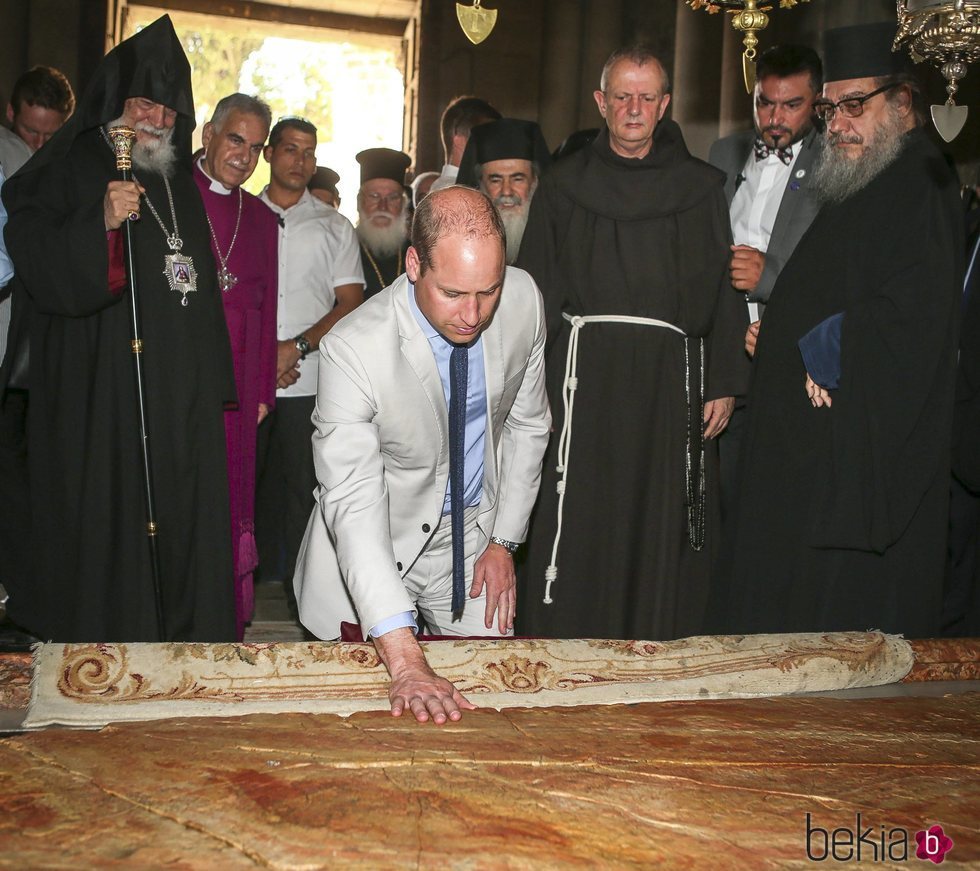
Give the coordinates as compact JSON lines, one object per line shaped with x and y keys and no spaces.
{"x":396,"y":621}
{"x":820,"y":349}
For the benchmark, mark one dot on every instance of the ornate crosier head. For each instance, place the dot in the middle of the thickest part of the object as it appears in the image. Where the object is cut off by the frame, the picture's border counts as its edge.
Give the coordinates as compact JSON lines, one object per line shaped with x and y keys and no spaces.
{"x":122,"y":140}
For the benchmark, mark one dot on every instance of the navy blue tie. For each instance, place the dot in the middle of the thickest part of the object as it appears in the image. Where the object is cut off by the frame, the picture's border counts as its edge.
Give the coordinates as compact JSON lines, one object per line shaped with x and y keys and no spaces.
{"x":458,"y":372}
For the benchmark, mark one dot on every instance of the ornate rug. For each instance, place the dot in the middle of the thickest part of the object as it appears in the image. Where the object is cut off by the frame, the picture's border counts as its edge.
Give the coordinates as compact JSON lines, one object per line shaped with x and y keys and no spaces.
{"x":91,"y":685}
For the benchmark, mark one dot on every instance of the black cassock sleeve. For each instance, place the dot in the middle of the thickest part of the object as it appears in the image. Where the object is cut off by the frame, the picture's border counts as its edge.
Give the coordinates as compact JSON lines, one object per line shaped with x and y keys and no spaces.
{"x":728,"y":364}
{"x":966,"y":412}
{"x":57,"y":239}
{"x":891,"y":416}
{"x":539,"y":255}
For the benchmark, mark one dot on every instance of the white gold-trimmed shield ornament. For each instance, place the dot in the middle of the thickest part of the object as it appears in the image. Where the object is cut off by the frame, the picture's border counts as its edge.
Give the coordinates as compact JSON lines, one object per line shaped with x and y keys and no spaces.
{"x":949,"y":119}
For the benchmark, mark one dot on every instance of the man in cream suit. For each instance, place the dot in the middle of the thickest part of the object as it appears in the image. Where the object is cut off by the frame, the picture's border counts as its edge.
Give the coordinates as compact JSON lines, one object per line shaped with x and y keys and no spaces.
{"x":770,"y":196}
{"x":379,"y":546}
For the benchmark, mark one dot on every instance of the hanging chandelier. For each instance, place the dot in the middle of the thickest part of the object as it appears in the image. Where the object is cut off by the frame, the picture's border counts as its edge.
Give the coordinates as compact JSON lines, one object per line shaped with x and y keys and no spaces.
{"x":748,"y":18}
{"x":946,"y":32}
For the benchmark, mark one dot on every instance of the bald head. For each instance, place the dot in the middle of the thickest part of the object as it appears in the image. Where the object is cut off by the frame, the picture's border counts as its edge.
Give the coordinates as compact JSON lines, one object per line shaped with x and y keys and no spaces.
{"x":454,"y":211}
{"x":456,"y":262}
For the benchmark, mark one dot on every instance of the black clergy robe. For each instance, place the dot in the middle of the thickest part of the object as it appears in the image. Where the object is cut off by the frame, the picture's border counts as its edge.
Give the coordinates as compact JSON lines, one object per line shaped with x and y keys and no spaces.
{"x":91,"y":578}
{"x":840,"y":521}
{"x":961,"y":598}
{"x":649,"y":238}
{"x":379,"y":272}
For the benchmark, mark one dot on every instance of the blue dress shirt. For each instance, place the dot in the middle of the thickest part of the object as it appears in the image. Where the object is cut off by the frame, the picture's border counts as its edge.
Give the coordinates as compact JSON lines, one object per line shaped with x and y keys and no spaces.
{"x":476,"y":429}
{"x":476,"y":403}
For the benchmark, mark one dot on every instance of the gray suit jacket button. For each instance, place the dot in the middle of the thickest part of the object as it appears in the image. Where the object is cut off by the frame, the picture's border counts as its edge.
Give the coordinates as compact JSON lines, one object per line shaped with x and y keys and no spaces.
{"x":425,"y":527}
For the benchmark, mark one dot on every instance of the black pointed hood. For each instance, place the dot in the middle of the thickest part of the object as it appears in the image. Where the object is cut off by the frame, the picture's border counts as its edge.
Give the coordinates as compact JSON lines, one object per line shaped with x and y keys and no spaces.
{"x":150,"y":64}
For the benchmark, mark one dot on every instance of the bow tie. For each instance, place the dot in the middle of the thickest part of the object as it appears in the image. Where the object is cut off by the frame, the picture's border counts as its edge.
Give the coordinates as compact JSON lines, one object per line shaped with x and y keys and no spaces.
{"x":762,"y":151}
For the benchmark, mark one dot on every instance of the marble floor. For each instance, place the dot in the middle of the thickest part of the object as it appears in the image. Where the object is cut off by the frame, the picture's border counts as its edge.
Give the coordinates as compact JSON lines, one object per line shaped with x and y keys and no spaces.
{"x":274,"y":620}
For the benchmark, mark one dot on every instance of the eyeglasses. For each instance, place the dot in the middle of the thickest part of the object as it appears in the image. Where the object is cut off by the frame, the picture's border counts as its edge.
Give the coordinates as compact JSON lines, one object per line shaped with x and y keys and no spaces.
{"x":375,"y":199}
{"x":851,"y":107}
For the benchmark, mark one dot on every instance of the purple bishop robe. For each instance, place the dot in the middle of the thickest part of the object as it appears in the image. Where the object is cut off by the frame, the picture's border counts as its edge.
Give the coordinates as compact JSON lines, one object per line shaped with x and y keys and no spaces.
{"x":250,"y":312}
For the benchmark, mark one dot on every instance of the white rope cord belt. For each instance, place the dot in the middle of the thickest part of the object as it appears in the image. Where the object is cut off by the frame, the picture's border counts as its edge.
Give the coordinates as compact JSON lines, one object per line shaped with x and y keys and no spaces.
{"x":569,"y":387}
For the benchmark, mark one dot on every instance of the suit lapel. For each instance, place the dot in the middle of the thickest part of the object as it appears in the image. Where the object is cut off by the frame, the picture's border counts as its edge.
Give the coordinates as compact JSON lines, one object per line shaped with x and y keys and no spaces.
{"x":417,"y":353}
{"x":493,"y":367}
{"x":741,"y":149}
{"x":795,"y":191}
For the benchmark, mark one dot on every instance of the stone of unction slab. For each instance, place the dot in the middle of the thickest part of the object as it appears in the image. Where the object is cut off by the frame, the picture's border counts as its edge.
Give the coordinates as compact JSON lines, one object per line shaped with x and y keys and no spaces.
{"x":15,"y":680}
{"x":945,"y":659}
{"x":715,"y":784}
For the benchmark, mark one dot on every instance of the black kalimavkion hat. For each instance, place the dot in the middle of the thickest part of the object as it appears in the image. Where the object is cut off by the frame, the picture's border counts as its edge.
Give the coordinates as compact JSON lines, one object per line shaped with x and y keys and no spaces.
{"x":863,"y":51}
{"x":506,"y":139}
{"x":383,"y":163}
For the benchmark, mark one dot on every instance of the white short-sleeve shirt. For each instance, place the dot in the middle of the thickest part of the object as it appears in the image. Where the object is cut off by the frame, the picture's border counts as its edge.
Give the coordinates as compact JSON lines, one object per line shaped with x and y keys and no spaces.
{"x":318,"y":252}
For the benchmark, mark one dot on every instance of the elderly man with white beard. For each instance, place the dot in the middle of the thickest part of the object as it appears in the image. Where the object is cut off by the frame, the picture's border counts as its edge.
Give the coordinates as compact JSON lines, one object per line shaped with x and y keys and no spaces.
{"x":91,"y":578}
{"x":843,"y":480}
{"x":504,"y":159}
{"x":382,"y":216}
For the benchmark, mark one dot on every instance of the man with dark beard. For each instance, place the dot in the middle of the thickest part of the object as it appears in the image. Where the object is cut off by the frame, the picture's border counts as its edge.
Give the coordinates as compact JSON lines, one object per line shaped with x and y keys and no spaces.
{"x":382,"y":216}
{"x":769,"y":189}
{"x":840,"y":522}
{"x":505,"y":159}
{"x":91,"y":577}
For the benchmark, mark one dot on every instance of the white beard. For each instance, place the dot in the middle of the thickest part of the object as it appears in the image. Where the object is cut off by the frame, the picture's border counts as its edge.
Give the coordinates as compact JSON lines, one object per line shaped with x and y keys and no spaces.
{"x":514,"y":220}
{"x":157,"y":154}
{"x":513,"y":213}
{"x":837,"y":177}
{"x":383,"y":241}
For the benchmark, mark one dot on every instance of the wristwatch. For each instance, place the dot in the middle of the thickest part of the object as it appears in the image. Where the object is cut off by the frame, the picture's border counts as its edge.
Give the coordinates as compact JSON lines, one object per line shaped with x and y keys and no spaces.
{"x":302,"y":345}
{"x":509,"y":546}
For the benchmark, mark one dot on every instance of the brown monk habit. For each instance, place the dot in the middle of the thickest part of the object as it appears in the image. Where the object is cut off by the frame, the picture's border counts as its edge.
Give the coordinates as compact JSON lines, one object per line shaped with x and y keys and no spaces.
{"x":612,"y":236}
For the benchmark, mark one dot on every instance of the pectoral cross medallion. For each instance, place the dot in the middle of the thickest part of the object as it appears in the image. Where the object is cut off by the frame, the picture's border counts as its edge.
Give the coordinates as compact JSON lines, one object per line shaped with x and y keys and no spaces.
{"x":226,"y":280}
{"x":180,"y":274}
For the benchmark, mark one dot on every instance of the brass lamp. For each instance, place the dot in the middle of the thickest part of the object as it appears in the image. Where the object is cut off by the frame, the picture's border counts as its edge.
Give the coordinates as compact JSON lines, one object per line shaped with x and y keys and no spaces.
{"x":748,"y":17}
{"x":946,"y":32}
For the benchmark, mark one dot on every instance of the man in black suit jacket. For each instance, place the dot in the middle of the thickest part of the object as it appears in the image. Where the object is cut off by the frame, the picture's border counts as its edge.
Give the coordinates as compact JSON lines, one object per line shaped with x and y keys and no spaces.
{"x":769,"y":193}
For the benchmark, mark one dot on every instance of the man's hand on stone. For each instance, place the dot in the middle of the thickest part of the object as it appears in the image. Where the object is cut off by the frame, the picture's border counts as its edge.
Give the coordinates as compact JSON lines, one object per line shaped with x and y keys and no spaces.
{"x":414,"y":685}
{"x":819,"y":397}
{"x":122,"y":199}
{"x":716,"y":414}
{"x":746,"y":267}
{"x":752,"y":337}
{"x":495,"y":569}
